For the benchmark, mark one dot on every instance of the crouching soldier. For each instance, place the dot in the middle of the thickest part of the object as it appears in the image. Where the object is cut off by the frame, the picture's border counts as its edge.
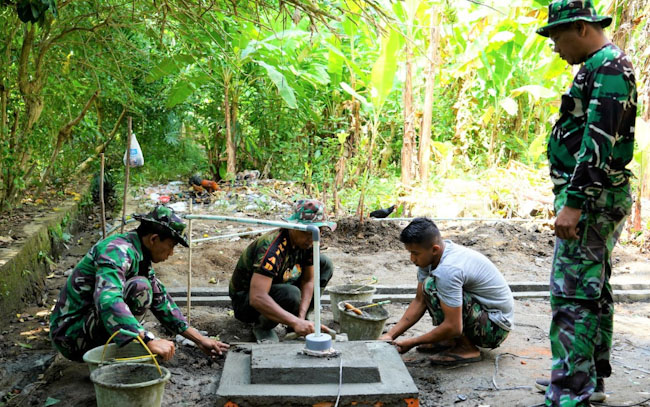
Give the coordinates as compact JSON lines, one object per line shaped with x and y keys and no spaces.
{"x":467,"y":297}
{"x":273,"y":281}
{"x":114,"y":285}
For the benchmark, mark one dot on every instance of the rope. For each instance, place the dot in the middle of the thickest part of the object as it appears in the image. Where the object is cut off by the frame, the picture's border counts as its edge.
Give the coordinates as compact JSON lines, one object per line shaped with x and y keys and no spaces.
{"x":338,"y":396}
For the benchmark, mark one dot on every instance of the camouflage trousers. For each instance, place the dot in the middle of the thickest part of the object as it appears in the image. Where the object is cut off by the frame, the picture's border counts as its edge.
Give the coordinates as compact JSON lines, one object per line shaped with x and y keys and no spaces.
{"x":90,"y":332}
{"x":581,"y":300}
{"x":477,"y":326}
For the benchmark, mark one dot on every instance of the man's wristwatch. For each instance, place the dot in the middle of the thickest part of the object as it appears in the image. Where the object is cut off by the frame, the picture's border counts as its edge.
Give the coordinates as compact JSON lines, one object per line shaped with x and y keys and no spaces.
{"x":148,"y":337}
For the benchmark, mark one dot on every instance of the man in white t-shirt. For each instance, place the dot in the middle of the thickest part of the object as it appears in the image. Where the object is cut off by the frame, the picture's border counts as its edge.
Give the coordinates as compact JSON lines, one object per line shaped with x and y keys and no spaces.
{"x":467,"y":297}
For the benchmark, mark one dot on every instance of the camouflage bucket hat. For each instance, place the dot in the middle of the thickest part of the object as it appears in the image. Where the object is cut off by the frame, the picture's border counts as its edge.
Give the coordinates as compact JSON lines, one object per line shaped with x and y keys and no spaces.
{"x":310,"y":212}
{"x":165,"y":216}
{"x":567,"y":11}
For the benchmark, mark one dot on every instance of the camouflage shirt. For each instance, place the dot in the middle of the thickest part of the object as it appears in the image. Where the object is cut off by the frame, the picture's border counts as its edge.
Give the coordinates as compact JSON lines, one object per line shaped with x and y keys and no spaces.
{"x":593,"y":140}
{"x":96,"y":284}
{"x":273,"y":256}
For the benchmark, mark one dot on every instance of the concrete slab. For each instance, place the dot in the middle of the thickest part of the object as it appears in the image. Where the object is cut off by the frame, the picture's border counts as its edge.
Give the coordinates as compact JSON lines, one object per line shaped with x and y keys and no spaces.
{"x":395,"y":388}
{"x":275,"y":364}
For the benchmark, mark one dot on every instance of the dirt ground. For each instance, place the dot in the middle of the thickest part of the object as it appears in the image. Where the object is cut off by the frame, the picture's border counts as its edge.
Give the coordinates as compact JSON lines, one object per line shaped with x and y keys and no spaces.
{"x":31,"y":372}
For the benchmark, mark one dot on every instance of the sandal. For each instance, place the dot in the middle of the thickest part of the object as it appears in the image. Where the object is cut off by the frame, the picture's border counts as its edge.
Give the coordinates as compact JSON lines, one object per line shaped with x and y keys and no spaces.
{"x":455,"y":359}
{"x":432,"y":348}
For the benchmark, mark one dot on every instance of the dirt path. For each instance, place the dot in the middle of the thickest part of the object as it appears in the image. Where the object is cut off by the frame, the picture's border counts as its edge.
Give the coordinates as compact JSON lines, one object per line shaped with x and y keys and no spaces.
{"x":30,"y":372}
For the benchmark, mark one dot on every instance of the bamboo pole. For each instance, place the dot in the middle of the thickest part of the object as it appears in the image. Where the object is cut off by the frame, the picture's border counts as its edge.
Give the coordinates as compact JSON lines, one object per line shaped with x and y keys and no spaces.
{"x":101,"y":196}
{"x":189,"y":264}
{"x":126,"y":172}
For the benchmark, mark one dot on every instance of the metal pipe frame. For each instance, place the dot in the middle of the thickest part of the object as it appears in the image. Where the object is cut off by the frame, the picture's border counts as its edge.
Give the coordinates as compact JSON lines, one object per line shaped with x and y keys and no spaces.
{"x":467,"y":219}
{"x":250,"y":232}
{"x":315,"y":235}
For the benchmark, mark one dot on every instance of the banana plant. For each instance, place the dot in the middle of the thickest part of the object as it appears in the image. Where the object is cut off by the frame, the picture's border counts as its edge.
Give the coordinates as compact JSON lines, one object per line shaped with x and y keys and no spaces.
{"x":505,"y":54}
{"x":380,"y":84}
{"x":642,"y":163}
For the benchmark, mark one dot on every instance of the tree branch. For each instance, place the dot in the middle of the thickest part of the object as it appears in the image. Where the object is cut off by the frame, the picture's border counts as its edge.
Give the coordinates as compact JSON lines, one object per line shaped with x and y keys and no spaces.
{"x":102,"y":147}
{"x":64,"y":134}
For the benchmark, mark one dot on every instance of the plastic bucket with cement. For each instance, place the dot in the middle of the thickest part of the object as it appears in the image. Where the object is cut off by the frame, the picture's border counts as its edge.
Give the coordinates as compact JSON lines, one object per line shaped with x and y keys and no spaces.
{"x":129,"y":385}
{"x":352,"y":292}
{"x":367,"y":326}
{"x":132,"y":349}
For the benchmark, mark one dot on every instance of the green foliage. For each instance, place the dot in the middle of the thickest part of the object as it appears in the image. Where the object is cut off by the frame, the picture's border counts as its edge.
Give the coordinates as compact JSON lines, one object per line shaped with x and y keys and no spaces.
{"x":291,"y":76}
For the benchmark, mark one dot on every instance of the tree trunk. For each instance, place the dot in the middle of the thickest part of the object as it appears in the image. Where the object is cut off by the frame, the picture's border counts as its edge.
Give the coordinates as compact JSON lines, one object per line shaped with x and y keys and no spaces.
{"x":234,"y":110}
{"x":4,"y":82}
{"x":4,"y":94}
{"x":424,"y":155}
{"x":347,"y":150}
{"x":310,"y":157}
{"x":408,"y":144}
{"x":230,"y":145}
{"x":214,"y":158}
{"x":368,"y":169}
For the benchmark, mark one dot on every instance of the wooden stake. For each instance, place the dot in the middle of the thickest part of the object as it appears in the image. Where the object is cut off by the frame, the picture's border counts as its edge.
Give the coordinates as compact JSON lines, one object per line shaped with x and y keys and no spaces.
{"x":101,"y":196}
{"x":189,"y":264}
{"x":126,"y":171}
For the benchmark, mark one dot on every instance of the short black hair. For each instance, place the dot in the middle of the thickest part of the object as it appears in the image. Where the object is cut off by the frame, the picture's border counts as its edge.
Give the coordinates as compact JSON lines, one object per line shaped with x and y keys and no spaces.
{"x":421,"y":231}
{"x":152,"y":228}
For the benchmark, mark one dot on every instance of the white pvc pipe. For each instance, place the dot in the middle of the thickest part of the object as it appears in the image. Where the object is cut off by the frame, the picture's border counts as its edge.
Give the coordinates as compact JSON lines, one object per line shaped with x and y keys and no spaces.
{"x":279,"y":224}
{"x":469,"y":219}
{"x":250,"y":232}
{"x":316,"y":255}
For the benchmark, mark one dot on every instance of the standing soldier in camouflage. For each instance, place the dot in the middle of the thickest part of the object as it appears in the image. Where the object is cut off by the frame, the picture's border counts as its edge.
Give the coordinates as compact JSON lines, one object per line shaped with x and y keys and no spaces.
{"x":113,"y":286}
{"x":589,"y":148}
{"x":273,"y":281}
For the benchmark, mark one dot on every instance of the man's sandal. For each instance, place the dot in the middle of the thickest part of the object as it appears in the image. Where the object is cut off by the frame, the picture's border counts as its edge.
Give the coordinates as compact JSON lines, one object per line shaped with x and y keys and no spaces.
{"x":432,"y":348}
{"x":455,"y":359}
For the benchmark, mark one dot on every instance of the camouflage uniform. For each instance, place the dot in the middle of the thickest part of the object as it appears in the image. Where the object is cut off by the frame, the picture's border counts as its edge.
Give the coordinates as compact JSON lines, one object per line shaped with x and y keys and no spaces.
{"x":589,"y":148}
{"x":272,"y":255}
{"x":110,"y":289}
{"x":477,"y":325}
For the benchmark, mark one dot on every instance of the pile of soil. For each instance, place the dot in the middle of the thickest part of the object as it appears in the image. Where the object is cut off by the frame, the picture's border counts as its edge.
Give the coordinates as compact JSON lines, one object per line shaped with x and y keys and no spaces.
{"x":532,"y":239}
{"x":367,"y":237}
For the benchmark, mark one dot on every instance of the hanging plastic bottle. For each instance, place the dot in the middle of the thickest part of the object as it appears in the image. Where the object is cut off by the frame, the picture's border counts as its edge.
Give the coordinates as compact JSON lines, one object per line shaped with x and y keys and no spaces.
{"x":136,"y":159}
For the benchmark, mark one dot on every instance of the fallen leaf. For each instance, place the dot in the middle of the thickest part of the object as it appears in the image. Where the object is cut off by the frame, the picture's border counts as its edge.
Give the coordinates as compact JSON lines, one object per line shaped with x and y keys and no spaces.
{"x":24,"y":345}
{"x":212,"y":280}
